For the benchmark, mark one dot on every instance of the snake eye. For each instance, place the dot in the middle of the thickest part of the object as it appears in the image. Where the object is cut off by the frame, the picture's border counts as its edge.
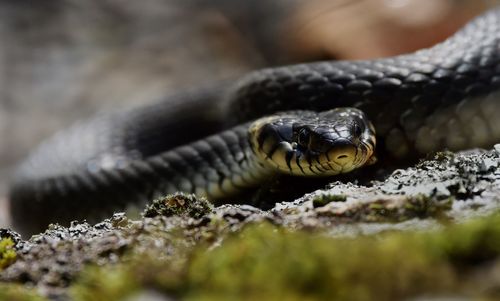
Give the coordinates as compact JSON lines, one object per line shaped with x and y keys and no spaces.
{"x":357,"y":130}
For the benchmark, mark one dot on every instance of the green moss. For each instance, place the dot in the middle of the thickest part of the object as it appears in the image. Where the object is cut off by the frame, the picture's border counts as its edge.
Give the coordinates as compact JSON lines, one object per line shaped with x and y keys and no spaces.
{"x":418,"y":206}
{"x":178,"y":204}
{"x":265,"y":262}
{"x":16,"y":292}
{"x":112,"y":283}
{"x":7,"y":252}
{"x":422,"y":206}
{"x":323,"y":199}
{"x":128,"y":278}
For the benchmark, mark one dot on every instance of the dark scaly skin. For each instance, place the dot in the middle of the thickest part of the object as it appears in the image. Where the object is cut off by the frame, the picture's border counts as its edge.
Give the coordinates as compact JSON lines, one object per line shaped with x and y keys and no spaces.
{"x":398,"y":94}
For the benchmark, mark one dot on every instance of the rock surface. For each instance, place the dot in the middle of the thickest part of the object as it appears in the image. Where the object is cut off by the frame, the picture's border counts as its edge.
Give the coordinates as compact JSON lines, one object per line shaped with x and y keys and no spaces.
{"x":437,"y":196}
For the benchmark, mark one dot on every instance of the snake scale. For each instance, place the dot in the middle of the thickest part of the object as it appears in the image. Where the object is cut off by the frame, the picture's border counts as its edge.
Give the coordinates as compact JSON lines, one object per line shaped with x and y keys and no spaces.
{"x":429,"y":100}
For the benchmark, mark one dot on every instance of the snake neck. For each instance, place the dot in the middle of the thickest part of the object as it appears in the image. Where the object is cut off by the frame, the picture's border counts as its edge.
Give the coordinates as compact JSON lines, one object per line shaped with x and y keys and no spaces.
{"x":219,"y":166}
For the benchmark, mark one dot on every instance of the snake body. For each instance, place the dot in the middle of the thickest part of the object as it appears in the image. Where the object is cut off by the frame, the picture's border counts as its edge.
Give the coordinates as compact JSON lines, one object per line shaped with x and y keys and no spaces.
{"x":436,"y":98}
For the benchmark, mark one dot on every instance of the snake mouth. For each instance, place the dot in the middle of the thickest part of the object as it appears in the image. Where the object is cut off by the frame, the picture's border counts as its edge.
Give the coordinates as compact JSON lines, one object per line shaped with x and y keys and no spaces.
{"x":314,"y":144}
{"x":341,"y":158}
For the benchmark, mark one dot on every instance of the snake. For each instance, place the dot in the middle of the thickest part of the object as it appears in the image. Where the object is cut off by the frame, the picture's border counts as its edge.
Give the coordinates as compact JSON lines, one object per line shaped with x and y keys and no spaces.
{"x":311,"y":119}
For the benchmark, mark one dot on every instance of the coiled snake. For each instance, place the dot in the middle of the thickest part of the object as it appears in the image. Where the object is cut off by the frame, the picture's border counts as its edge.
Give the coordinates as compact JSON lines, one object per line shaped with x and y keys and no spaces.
{"x":436,"y":98}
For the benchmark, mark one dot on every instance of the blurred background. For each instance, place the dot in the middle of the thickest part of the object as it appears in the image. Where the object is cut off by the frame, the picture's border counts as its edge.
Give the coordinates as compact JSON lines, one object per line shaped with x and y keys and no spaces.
{"x":64,"y":60}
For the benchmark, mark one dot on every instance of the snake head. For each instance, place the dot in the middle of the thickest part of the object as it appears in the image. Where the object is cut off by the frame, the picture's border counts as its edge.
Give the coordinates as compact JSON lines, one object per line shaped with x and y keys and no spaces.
{"x":308,"y":143}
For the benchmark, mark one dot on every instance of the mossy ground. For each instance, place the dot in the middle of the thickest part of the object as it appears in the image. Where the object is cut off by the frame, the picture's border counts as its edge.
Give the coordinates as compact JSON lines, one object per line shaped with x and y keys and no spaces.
{"x":7,"y":252}
{"x":308,"y":249}
{"x":265,"y":262}
{"x":178,"y":204}
{"x":261,"y":260}
{"x":16,"y":292}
